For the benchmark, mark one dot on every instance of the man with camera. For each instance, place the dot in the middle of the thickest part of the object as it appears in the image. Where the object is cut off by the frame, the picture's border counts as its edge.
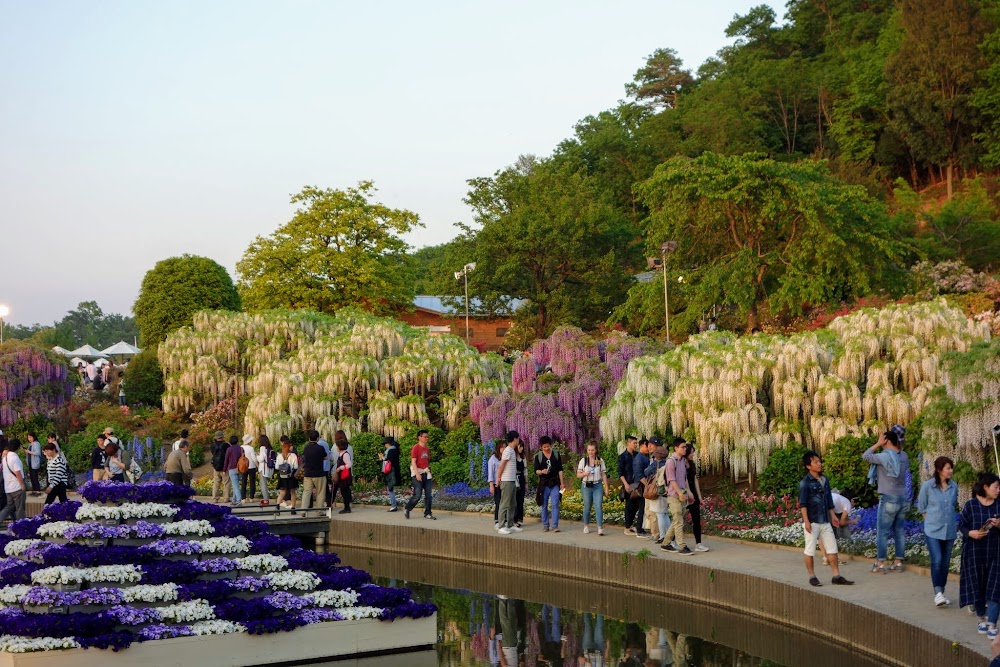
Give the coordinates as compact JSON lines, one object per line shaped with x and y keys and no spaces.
{"x":892,"y":466}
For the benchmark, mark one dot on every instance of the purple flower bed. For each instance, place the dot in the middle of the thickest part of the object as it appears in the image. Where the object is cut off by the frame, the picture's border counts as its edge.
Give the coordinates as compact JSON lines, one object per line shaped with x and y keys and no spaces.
{"x":42,"y":596}
{"x":165,"y":572}
{"x":94,"y":530}
{"x":408,"y":609}
{"x":169,"y":547}
{"x":232,"y":526}
{"x":61,"y":511}
{"x":205,"y":590}
{"x":17,"y":574}
{"x":126,"y":615}
{"x":264,"y":626}
{"x":78,"y":555}
{"x":25,"y":529}
{"x":285,"y":601}
{"x":216,"y":565}
{"x":310,"y":561}
{"x":195,"y":511}
{"x":378,"y":596}
{"x":273,"y":544}
{"x":343,"y":578}
{"x":319,"y":615}
{"x":463,"y":490}
{"x":120,"y":492}
{"x":161,"y":631}
{"x":249,"y":584}
{"x":242,"y":611}
{"x":147,"y":530}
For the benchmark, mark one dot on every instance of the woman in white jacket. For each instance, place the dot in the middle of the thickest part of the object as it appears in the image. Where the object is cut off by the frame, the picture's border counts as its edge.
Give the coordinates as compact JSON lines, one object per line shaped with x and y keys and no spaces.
{"x":265,"y":466}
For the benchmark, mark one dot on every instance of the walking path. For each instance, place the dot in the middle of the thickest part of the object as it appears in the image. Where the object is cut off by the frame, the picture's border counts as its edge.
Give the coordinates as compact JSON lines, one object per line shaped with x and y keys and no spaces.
{"x":906,"y":596}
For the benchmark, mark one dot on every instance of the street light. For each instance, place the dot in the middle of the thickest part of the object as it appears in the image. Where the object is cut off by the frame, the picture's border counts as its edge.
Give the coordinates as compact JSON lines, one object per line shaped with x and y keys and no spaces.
{"x":4,"y":312}
{"x":666,"y":247}
{"x":460,"y":275}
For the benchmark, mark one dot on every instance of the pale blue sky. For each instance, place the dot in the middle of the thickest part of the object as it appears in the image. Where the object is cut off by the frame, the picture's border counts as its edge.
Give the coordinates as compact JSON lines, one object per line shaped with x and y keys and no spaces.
{"x":142,"y":129}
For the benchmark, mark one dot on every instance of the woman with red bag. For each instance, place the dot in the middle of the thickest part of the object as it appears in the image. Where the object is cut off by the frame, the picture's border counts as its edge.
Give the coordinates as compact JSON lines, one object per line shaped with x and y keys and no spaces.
{"x":342,"y":472}
{"x":390,"y":470}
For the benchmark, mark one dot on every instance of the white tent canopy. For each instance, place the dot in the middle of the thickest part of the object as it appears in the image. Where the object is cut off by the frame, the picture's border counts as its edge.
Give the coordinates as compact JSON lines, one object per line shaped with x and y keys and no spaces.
{"x":60,"y":350}
{"x":121,"y":348}
{"x":87,"y":351}
{"x":75,"y":361}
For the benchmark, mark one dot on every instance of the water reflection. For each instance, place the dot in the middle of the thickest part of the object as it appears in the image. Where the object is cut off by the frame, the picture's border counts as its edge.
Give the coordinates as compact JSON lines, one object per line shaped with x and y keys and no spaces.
{"x":538,"y":618}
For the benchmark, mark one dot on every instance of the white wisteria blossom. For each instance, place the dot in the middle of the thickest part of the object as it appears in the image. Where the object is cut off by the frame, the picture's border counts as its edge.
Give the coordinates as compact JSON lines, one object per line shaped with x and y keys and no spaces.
{"x":347,"y":598}
{"x":216,"y":627}
{"x":354,"y":613}
{"x":225,"y":545}
{"x":13,"y":594}
{"x":293,"y":580}
{"x":150,"y":593}
{"x":263,"y":563}
{"x":189,"y":527}
{"x":187,"y":612}
{"x":54,"y":528}
{"x":17,"y":644}
{"x":18,"y":547}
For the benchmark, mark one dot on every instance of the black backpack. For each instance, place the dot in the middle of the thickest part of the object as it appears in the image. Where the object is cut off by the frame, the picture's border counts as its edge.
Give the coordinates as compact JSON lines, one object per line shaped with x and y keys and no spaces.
{"x":219,"y":454}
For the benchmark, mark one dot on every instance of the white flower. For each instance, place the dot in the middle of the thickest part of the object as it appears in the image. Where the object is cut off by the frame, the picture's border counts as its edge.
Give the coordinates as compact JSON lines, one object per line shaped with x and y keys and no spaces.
{"x":91,"y":512}
{"x":17,"y":644}
{"x":144,"y":510}
{"x":12,"y":594}
{"x":150,"y":593}
{"x":262,"y":563}
{"x":55,"y":528}
{"x":338,"y":599}
{"x":225,"y":545}
{"x":186,"y":612}
{"x":188,"y":527}
{"x":216,"y":627}
{"x":18,"y":547}
{"x":293,"y":579}
{"x":113,"y":574}
{"x":354,"y":613}
{"x":60,"y":574}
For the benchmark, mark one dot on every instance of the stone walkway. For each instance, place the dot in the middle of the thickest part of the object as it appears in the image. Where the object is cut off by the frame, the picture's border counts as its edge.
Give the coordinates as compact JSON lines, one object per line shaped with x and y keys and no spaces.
{"x":907,"y":596}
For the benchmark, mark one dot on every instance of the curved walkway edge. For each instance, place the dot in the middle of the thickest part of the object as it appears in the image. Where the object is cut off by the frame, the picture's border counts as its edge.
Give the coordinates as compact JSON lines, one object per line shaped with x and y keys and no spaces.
{"x":888,"y":617}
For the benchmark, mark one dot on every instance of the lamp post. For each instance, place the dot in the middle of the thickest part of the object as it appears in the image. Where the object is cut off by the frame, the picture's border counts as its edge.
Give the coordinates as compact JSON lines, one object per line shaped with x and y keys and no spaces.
{"x":464,"y":275}
{"x":666,"y":247}
{"x":4,"y":312}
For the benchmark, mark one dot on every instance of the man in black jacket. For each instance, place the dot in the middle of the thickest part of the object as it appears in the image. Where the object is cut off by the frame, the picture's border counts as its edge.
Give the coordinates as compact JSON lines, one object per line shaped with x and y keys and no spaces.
{"x":625,"y":475}
{"x":219,"y":477}
{"x":393,"y":478}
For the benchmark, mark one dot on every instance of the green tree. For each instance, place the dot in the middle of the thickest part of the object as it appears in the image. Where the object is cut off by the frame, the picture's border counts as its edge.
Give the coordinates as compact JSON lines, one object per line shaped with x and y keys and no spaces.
{"x":987,"y":99}
{"x":750,"y":228}
{"x":144,"y":379}
{"x":932,"y":78}
{"x":177,"y":288}
{"x":547,"y":235}
{"x":660,"y":81}
{"x":340,"y":249}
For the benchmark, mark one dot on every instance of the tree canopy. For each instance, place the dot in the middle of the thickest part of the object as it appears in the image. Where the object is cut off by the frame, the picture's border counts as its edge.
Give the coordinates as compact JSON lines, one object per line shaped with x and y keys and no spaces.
{"x":86,"y":325}
{"x":341,"y":248}
{"x":175,"y":289}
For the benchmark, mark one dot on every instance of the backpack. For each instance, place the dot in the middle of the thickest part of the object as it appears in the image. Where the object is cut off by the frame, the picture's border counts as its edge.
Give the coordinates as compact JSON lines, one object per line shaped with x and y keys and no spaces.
{"x":272,"y":458}
{"x":284,"y":470}
{"x":218,"y":456}
{"x":243,"y":464}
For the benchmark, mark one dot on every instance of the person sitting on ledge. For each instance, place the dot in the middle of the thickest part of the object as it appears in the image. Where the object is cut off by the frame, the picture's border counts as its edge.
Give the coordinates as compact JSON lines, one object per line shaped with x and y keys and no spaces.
{"x":818,"y":517}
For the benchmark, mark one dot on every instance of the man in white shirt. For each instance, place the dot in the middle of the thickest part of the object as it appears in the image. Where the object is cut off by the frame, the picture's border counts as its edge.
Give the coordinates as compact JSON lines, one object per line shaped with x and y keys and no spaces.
{"x":507,"y":474}
{"x":842,"y":508}
{"x":13,"y":482}
{"x":178,"y":441}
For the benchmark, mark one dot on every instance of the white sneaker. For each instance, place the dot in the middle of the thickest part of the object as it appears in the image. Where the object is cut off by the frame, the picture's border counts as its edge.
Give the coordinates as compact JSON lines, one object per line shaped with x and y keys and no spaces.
{"x":496,"y":526}
{"x":504,"y":531}
{"x":586,"y":529}
{"x":329,"y":513}
{"x":516,"y":529}
{"x":702,"y":547}
{"x":940,"y":600}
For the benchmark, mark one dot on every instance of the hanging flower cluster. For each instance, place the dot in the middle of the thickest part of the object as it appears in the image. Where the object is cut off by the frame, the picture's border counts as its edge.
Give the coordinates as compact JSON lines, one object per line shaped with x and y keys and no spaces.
{"x":744,"y":396}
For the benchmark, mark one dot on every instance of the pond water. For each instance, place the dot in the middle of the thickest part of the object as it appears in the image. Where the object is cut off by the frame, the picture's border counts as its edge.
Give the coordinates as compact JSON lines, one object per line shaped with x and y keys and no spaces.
{"x":490,"y":615}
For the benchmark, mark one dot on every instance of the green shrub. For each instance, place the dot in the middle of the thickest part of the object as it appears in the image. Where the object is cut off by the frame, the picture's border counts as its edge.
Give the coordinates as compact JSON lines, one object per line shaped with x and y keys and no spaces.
{"x":450,"y":470}
{"x":784,"y":471}
{"x":456,"y":442}
{"x":367,"y":447}
{"x":144,"y":379}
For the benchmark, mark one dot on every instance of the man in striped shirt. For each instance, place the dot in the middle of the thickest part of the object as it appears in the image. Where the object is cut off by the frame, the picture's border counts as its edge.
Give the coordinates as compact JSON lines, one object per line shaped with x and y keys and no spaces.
{"x":56,"y":473}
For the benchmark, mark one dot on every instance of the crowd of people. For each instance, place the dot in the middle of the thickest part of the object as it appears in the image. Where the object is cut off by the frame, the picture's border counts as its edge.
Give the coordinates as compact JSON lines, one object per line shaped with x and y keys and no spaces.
{"x":99,"y":375}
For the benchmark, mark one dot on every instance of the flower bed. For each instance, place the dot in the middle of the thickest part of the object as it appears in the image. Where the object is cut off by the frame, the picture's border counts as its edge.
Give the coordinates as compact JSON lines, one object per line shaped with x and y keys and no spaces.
{"x":77,"y":595}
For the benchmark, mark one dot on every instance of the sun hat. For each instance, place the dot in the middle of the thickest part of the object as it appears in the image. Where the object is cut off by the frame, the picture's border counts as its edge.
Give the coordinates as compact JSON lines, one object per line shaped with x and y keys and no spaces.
{"x":247,"y":439}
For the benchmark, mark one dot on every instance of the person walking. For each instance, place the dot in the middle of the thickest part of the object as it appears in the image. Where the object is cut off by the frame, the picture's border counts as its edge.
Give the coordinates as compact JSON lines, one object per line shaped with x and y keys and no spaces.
{"x":655,"y":474}
{"x":390,"y":470}
{"x":491,"y":477}
{"x":13,"y":482}
{"x":220,"y":479}
{"x":178,"y":466}
{"x":979,"y":578}
{"x":549,"y":470}
{"x":98,"y":460}
{"x":314,"y":475}
{"x":230,"y":465}
{"x":343,"y":476}
{"x":695,"y":499}
{"x":625,"y":476}
{"x":34,"y":452}
{"x":937,"y":501}
{"x":640,"y":460}
{"x":892,"y":466}
{"x":675,"y":475}
{"x":420,"y":475}
{"x":248,"y":477}
{"x":286,"y":463}
{"x":265,"y":467}
{"x":818,"y":518}
{"x":116,"y":467}
{"x":507,"y":474}
{"x":593,"y":474}
{"x":56,"y":473}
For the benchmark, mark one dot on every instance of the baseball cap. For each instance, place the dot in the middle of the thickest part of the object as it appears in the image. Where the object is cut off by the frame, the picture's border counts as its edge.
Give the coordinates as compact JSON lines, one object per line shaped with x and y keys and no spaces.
{"x":654,"y":441}
{"x":219,"y":435}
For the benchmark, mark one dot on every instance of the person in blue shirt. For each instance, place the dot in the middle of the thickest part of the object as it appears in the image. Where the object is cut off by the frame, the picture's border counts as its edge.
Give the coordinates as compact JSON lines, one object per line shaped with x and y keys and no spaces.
{"x":938,"y":502}
{"x":818,"y":517}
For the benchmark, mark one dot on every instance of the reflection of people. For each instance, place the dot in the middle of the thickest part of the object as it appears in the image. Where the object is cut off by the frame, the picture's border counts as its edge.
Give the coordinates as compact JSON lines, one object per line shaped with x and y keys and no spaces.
{"x":662,"y":653}
{"x":552,"y":652}
{"x":635,"y":646}
{"x":508,"y":628}
{"x":593,"y":641}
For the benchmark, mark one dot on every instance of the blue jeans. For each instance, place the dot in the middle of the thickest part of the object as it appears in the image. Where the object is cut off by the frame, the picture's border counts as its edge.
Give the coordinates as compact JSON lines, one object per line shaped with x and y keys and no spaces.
{"x":991,"y":611}
{"x":421,"y":487}
{"x":593,"y":495}
{"x":593,"y":630}
{"x":940,"y":553}
{"x":234,"y":481}
{"x":891,"y":514}
{"x":550,"y":493}
{"x":663,"y":522}
{"x":392,"y":498}
{"x":550,"y":623}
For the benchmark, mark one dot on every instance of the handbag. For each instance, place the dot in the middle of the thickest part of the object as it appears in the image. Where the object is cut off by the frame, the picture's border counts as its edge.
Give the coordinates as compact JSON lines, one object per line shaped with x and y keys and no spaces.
{"x":386,"y":467}
{"x":649,"y":491}
{"x":636,"y":492}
